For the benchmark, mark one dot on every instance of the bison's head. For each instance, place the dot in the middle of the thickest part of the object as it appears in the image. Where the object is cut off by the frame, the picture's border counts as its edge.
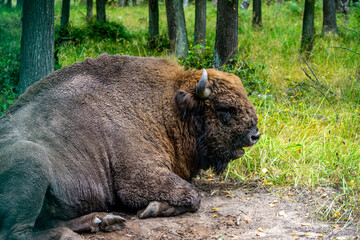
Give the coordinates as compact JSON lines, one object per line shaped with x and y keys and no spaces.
{"x":221,"y":117}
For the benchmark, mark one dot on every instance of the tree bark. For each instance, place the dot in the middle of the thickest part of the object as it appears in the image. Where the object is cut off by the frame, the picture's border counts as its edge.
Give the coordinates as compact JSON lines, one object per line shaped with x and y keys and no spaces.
{"x":65,"y":13}
{"x":226,"y":39}
{"x":8,"y":3}
{"x":200,"y":22}
{"x":308,"y":27}
{"x":257,"y":20}
{"x":153,"y":19}
{"x":19,"y":3}
{"x":37,"y":42}
{"x":100,"y":10}
{"x":89,"y":9}
{"x":215,"y":2}
{"x":329,"y":17}
{"x":245,"y":4}
{"x":177,"y":27}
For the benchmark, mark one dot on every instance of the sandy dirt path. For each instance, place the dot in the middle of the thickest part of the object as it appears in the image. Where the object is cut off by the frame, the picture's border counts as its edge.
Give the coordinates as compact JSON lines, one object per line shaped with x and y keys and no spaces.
{"x":234,"y":211}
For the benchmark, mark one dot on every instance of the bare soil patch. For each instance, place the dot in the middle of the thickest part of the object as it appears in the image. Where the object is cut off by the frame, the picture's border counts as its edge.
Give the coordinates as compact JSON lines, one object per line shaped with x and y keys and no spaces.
{"x":232,"y":210}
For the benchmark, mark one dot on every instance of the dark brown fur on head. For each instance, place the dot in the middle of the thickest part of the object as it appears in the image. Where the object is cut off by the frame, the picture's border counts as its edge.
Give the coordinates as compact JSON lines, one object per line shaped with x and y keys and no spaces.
{"x":219,"y":123}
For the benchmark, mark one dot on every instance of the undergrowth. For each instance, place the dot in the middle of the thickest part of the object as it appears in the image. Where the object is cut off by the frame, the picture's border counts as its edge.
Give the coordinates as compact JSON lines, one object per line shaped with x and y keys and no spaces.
{"x":310,"y":130}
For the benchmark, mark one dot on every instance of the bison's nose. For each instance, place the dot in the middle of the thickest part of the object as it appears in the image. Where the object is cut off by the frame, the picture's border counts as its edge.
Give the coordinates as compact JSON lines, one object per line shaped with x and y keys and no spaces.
{"x":252,"y":137}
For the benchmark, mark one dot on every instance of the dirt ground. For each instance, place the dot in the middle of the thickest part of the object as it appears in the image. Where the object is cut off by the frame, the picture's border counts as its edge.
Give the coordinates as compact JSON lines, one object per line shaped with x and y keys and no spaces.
{"x":236,"y":211}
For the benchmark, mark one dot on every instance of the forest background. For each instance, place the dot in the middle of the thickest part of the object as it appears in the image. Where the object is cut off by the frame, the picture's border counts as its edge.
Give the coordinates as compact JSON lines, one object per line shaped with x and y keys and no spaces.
{"x":308,"y":105}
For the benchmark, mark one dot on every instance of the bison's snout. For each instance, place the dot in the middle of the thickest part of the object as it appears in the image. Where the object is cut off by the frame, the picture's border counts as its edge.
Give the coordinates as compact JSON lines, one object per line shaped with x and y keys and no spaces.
{"x":252,"y":137}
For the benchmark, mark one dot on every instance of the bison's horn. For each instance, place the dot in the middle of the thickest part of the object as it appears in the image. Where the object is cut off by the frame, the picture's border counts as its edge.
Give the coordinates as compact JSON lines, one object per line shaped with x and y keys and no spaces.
{"x":201,"y":90}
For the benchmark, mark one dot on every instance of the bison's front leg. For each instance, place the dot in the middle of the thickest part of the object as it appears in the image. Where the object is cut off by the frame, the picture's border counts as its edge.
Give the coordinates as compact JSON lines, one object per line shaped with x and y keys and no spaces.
{"x":163,"y":209}
{"x":159,"y":193}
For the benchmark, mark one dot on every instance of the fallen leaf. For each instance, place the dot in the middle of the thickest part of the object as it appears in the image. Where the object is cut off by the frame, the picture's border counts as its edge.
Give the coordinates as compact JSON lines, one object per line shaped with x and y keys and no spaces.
{"x":293,"y":235}
{"x":320,"y":236}
{"x":305,"y":224}
{"x":215,"y":208}
{"x":214,"y":216}
{"x":267,"y":183}
{"x":264,"y":170}
{"x":336,"y":226}
{"x":273,"y":202}
{"x":282,"y":214}
{"x":260,"y":230}
{"x":324,"y":195}
{"x":247,"y":219}
{"x":307,"y":234}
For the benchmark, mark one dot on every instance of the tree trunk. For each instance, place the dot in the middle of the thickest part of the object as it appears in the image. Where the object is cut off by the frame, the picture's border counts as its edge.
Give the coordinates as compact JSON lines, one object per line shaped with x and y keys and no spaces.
{"x":100,"y":10}
{"x":308,"y":27}
{"x":245,"y":4}
{"x":134,"y":2}
{"x":177,"y":27}
{"x":226,"y":40}
{"x":329,"y":17}
{"x":65,"y":12}
{"x":185,"y":3}
{"x":200,"y":22}
{"x":214,"y":3}
{"x":278,"y":2}
{"x":8,"y":3}
{"x":89,"y":9}
{"x":257,"y":20}
{"x":126,"y":3}
{"x":153,"y":19}
{"x":37,"y":42}
{"x":19,"y":3}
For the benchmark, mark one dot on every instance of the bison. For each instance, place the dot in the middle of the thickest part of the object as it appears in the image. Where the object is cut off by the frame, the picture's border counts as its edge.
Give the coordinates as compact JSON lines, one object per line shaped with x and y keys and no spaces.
{"x":111,"y":134}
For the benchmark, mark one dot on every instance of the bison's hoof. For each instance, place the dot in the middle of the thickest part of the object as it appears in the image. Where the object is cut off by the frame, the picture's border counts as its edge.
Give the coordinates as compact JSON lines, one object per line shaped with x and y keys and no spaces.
{"x":151,"y":210}
{"x":111,"y":223}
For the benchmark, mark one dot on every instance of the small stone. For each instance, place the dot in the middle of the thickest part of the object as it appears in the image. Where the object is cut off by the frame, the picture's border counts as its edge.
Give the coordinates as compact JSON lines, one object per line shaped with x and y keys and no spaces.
{"x":229,"y":223}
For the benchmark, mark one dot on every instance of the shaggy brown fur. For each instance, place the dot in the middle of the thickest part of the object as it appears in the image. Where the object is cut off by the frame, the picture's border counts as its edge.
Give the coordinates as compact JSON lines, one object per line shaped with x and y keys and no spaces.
{"x":114,"y":133}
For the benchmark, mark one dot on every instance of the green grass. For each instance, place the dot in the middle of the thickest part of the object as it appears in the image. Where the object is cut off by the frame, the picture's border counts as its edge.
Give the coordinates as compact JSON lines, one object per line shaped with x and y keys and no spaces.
{"x":303,"y":143}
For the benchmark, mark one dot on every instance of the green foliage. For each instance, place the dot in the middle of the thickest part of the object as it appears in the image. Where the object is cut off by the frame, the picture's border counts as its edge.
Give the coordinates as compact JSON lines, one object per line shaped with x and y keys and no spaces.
{"x":198,"y":57}
{"x":252,"y":73}
{"x":94,"y":30}
{"x":108,"y":30}
{"x":10,"y":33}
{"x":9,"y":79}
{"x":159,"y":44}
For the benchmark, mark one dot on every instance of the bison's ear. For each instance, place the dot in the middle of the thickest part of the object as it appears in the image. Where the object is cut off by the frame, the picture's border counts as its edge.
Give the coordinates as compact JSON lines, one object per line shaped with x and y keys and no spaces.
{"x":186,"y":102}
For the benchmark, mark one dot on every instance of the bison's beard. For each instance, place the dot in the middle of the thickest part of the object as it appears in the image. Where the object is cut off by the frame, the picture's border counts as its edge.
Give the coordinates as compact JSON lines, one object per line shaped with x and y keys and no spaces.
{"x":217,"y":157}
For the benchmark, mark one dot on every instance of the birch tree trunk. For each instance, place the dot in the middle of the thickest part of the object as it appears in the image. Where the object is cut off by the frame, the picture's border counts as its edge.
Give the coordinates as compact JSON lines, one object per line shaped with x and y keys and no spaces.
{"x":37,"y":42}
{"x":200,"y":22}
{"x":177,"y":27}
{"x":308,"y":27}
{"x":226,"y":39}
{"x":329,"y":17}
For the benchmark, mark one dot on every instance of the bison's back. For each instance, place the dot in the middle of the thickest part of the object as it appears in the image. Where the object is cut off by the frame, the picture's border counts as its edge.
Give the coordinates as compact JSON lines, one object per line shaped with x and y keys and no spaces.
{"x":86,"y":115}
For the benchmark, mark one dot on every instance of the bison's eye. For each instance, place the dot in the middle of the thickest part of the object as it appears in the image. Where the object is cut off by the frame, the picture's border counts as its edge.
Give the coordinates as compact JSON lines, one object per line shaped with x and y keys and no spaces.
{"x":224,"y":113}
